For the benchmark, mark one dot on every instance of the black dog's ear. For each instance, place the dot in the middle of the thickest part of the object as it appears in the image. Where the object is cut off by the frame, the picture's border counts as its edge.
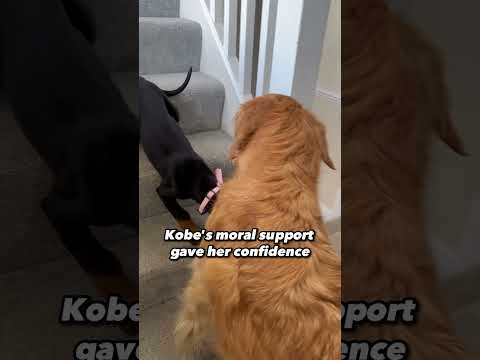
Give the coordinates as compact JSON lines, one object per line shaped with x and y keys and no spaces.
{"x":81,"y":18}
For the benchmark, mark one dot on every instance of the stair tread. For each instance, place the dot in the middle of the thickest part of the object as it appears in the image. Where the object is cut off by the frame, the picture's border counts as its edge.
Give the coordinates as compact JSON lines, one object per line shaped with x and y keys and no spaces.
{"x":159,"y":8}
{"x":160,"y":278}
{"x":166,"y":20}
{"x":175,"y":79}
{"x":157,"y":325}
{"x":200,"y":105}
{"x":169,"y":45}
{"x":154,"y":251}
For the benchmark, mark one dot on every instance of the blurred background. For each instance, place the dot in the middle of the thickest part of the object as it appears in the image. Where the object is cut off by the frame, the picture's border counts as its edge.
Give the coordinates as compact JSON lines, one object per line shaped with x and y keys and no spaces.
{"x":453,"y":195}
{"x":36,"y":271}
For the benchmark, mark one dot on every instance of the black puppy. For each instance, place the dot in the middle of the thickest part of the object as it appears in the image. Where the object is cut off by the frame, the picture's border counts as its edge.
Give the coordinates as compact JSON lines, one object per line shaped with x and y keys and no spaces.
{"x":76,"y":119}
{"x":184,"y":174}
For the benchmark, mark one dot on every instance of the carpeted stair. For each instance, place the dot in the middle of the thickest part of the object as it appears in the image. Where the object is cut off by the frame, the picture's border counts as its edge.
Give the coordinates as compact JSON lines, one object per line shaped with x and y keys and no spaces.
{"x":156,"y":8}
{"x":168,"y":47}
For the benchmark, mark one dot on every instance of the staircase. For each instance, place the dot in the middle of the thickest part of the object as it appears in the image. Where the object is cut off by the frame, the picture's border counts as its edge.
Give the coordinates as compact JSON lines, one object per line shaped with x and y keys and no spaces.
{"x":168,"y":47}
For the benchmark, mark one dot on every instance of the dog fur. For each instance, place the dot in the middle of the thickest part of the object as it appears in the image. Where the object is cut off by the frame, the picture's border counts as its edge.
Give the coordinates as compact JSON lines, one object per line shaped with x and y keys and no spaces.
{"x":267,"y":309}
{"x":184,"y":173}
{"x":393,"y":99}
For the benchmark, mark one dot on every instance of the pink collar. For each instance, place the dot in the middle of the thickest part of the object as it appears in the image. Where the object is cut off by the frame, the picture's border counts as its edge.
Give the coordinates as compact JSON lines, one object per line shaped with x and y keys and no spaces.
{"x":213,"y":192}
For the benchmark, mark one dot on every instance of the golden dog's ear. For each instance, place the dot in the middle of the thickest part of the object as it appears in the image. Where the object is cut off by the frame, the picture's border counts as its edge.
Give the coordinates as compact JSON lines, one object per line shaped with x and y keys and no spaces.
{"x":245,"y":126}
{"x":328,"y":161}
{"x":326,"y":157}
{"x":324,"y":146}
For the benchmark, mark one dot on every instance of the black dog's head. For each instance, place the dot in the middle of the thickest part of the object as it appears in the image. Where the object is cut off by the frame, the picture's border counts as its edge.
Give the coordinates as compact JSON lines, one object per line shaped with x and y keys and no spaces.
{"x":188,"y":178}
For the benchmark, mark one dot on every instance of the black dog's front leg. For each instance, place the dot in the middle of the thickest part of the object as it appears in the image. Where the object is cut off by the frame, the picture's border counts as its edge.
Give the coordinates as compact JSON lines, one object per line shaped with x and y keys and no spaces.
{"x":181,"y":216}
{"x":101,"y":265}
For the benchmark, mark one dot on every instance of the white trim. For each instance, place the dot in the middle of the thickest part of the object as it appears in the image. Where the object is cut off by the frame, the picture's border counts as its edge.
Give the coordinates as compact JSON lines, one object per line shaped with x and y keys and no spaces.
{"x":230,"y":27}
{"x":212,"y":9}
{"x":297,"y":48}
{"x":216,"y":10}
{"x":328,"y":94}
{"x":245,"y":58}
{"x":267,"y":40}
{"x":219,"y":44}
{"x":313,"y":24}
{"x":287,"y":35}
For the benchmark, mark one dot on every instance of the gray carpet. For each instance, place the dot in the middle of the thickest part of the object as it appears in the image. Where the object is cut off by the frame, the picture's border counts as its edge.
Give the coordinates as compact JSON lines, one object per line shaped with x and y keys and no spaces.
{"x":159,"y":8}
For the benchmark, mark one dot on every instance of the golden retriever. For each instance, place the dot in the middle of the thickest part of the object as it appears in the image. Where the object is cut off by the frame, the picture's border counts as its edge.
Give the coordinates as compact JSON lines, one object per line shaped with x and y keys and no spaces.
{"x":267,"y":308}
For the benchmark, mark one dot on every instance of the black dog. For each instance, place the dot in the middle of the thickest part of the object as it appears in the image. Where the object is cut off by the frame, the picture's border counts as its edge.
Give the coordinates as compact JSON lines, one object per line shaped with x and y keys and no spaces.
{"x":76,"y":119}
{"x":184,"y":174}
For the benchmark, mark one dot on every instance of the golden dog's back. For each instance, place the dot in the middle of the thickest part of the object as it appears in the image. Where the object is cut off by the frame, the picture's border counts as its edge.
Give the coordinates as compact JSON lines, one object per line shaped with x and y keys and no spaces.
{"x":273,"y":308}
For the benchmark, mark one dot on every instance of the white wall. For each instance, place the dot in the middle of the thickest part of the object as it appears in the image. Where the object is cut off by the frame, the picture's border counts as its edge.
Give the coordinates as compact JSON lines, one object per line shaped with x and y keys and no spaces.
{"x":301,"y":26}
{"x":327,"y":104}
{"x":329,"y":75}
{"x":453,"y":195}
